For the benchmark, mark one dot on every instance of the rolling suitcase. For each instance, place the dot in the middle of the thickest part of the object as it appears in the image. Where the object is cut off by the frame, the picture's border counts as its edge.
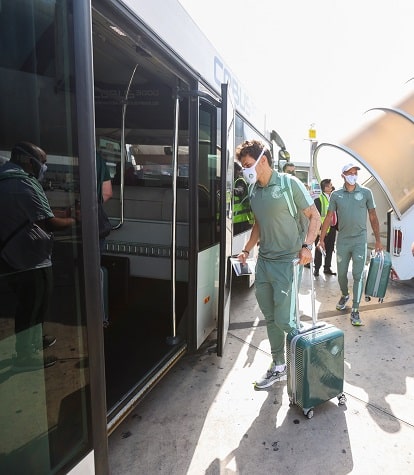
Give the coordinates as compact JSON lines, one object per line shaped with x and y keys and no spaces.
{"x":315,"y":360}
{"x":379,"y":271}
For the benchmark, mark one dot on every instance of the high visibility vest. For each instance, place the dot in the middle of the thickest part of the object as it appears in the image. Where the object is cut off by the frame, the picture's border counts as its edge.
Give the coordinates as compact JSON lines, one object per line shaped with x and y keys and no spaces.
{"x":241,"y":206}
{"x":324,"y":208}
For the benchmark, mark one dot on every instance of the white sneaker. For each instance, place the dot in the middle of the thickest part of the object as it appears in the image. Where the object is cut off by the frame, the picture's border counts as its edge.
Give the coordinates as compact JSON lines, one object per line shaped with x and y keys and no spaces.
{"x":273,"y":374}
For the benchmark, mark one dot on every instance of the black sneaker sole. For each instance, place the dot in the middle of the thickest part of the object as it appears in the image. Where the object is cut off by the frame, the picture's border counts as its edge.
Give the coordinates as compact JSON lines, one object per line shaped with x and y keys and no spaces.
{"x":48,"y":344}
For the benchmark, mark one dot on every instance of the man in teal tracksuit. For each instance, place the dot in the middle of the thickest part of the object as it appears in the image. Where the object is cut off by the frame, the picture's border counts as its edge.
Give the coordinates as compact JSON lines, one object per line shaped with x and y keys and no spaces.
{"x":351,"y":203}
{"x":281,"y":241}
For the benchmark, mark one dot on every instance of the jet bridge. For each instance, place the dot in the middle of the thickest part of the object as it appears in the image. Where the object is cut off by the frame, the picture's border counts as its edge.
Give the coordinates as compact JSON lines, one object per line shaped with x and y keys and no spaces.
{"x":385,"y":151}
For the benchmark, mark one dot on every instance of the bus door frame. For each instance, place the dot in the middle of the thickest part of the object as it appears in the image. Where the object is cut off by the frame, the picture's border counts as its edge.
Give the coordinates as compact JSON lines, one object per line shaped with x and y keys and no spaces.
{"x":228,"y":118}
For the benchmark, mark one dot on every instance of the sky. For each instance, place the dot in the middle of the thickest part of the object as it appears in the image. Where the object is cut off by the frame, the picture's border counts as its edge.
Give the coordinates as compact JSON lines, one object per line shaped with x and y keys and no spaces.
{"x":321,"y":62}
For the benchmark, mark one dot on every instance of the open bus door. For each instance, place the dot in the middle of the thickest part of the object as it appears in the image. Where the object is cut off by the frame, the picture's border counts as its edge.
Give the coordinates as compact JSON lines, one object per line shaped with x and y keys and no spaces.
{"x":226,"y":215}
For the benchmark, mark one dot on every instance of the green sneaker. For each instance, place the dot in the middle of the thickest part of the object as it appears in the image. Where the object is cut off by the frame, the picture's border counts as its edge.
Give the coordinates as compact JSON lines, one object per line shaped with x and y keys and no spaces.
{"x":355,"y":319}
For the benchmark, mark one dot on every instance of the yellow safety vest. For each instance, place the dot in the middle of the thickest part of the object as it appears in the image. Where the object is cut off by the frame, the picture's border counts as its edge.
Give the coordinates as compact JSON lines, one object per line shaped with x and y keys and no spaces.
{"x":324,"y":208}
{"x":241,"y":206}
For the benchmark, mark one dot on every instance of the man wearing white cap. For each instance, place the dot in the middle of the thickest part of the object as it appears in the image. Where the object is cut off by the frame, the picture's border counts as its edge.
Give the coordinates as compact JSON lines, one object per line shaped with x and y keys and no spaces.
{"x":351,"y":203}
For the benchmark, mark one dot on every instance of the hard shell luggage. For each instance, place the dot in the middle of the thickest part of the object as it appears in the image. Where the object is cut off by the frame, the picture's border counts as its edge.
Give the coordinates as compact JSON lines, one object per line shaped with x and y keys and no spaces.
{"x":315,"y":360}
{"x":379,"y":271}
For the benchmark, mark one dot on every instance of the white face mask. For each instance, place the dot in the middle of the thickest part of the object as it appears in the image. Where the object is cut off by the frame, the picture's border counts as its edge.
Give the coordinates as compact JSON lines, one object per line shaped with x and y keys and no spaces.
{"x":43,"y":169}
{"x":351,"y":179}
{"x":43,"y":166}
{"x":42,"y":172}
{"x":250,"y":174}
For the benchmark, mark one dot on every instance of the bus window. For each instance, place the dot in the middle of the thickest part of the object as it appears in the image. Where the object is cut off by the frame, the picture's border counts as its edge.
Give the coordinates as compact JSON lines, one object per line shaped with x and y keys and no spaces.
{"x":44,"y":412}
{"x":209,"y":176}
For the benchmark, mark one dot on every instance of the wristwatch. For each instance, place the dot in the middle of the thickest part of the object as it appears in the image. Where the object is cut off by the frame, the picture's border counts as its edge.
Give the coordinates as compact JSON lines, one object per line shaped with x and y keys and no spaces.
{"x":309,"y":247}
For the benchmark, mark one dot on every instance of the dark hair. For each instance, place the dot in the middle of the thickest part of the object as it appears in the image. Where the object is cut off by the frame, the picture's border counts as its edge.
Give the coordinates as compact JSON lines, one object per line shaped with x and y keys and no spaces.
{"x":23,"y":151}
{"x":253,"y":148}
{"x":324,"y":183}
{"x":288,"y":164}
{"x":28,"y":156}
{"x":237,"y":167}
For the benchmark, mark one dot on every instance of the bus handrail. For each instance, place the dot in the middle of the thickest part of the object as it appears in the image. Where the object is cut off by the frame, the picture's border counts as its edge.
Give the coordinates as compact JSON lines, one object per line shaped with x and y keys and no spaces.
{"x":122,"y":177}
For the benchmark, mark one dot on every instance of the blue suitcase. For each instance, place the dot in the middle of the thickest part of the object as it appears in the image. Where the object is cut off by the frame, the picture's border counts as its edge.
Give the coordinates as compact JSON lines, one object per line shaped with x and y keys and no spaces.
{"x":315,"y":360}
{"x":379,"y":271}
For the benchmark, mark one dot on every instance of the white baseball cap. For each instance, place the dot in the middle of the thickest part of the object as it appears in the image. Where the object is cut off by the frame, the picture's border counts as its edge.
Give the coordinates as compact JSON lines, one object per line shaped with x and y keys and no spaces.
{"x":348,"y":166}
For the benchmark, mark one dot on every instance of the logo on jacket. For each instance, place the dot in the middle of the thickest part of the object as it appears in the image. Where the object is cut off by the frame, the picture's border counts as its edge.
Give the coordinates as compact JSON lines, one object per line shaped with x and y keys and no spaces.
{"x":277,"y":192}
{"x":358,"y":196}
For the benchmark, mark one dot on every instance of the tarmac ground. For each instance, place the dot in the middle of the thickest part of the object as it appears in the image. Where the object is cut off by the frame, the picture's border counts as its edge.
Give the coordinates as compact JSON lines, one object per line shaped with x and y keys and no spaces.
{"x":205,"y":417}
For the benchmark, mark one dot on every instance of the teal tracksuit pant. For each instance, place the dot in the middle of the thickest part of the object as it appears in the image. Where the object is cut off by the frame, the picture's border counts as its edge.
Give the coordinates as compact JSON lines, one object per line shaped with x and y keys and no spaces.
{"x":355,"y":250}
{"x":276,"y":297}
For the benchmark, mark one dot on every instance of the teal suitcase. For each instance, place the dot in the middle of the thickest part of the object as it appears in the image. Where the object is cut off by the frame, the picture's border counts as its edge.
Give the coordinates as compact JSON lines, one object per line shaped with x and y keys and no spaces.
{"x":379,"y":271}
{"x":315,"y":361}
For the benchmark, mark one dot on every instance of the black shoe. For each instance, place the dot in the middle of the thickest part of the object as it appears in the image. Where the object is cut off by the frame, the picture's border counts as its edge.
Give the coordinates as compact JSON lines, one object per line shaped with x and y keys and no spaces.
{"x":48,"y":340}
{"x":329,"y":272}
{"x":307,"y":266}
{"x":316,"y":273}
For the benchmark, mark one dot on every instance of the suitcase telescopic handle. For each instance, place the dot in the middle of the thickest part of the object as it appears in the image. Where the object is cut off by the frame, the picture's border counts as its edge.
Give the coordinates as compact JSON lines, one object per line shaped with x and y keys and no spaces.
{"x":315,"y":323}
{"x":295,"y":263}
{"x":314,"y":317}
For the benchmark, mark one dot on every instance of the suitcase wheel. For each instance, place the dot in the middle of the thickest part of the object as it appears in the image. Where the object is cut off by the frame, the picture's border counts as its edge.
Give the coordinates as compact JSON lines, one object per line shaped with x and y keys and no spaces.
{"x":367,"y":298}
{"x":342,"y":399}
{"x":308,"y":413}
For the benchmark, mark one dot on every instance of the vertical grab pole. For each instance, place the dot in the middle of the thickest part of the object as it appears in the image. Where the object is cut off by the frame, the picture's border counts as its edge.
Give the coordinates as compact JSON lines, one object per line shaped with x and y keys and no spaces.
{"x":122,"y":171}
{"x":174,"y":339}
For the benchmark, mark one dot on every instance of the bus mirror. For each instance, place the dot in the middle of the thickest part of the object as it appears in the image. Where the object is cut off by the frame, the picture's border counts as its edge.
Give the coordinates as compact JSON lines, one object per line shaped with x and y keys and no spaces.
{"x":284,"y":154}
{"x":275,"y":137}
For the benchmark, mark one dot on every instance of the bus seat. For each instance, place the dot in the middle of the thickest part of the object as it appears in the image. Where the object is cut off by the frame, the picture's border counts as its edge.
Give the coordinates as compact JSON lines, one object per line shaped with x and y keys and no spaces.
{"x":152,"y":203}
{"x":145,"y":236}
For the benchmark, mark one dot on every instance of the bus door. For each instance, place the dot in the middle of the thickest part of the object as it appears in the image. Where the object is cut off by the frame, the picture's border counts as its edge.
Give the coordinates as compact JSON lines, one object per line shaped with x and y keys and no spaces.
{"x":226,"y":215}
{"x":213,"y":169}
{"x":143,"y":139}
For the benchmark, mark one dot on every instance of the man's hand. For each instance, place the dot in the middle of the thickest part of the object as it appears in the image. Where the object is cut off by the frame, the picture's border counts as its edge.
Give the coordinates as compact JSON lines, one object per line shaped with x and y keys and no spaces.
{"x":242,"y":257}
{"x":305,"y":256}
{"x":321,"y":245}
{"x":378,"y":246}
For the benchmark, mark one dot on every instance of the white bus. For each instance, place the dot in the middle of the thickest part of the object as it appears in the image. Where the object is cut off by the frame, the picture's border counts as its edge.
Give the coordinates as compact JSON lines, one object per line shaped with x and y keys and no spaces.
{"x":139,"y":82}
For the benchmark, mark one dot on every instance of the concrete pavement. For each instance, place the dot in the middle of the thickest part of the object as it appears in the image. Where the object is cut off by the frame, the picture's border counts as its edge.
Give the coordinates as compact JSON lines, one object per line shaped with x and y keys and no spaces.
{"x":205,"y":417}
